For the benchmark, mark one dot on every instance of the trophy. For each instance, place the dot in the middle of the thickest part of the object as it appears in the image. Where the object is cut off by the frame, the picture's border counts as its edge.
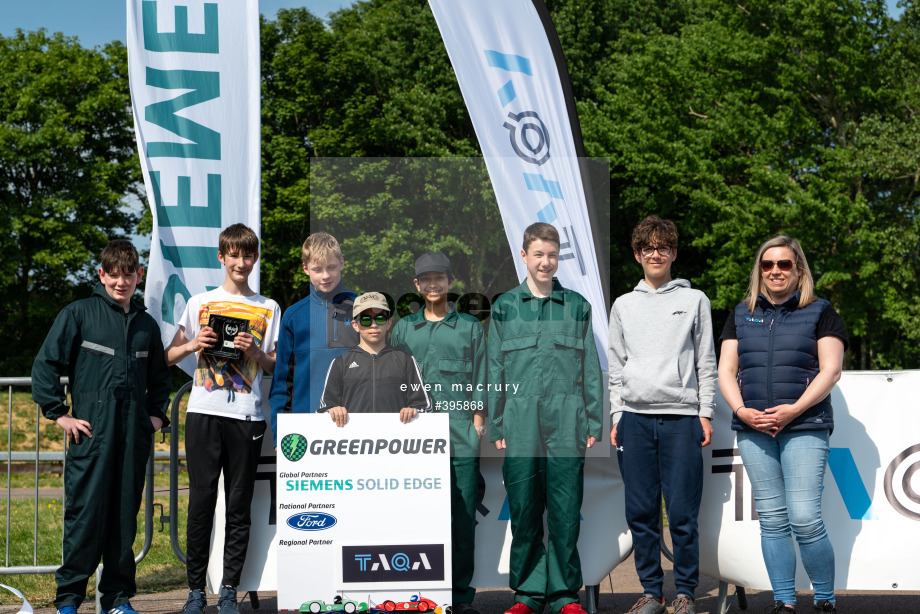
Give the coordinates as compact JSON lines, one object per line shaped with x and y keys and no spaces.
{"x":226,"y":328}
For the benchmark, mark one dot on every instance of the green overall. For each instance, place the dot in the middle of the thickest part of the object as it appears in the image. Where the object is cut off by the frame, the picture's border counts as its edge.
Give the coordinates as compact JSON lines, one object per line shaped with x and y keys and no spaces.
{"x":118,"y":381}
{"x":543,"y":359}
{"x":451,"y":355}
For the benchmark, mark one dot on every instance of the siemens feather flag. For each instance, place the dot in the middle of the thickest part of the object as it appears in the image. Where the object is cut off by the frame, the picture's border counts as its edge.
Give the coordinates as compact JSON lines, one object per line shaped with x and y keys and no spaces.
{"x":515,"y":87}
{"x":193,"y":68}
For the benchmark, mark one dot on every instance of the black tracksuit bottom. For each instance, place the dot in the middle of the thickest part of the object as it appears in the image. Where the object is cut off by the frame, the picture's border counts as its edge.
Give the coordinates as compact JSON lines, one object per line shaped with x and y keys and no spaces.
{"x":214,"y":444}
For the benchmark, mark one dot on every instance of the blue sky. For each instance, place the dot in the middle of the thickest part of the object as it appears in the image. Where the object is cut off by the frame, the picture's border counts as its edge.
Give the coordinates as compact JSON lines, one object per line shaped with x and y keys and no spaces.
{"x":97,"y":22}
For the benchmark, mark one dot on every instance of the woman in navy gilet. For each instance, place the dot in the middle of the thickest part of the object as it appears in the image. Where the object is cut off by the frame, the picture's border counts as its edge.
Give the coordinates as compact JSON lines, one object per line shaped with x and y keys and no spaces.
{"x":782,"y":353}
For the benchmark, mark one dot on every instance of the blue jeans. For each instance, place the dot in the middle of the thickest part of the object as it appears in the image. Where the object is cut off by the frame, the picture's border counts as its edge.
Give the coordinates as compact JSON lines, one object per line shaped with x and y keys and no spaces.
{"x":787,"y":478}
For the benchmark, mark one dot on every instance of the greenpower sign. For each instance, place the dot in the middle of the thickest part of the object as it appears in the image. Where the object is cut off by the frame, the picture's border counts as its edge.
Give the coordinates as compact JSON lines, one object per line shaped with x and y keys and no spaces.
{"x":194,"y":77}
{"x":363,"y":511}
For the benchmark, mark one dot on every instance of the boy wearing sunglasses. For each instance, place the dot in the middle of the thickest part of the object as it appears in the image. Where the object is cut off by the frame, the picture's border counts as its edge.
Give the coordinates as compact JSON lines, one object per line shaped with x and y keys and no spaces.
{"x":451,"y":350}
{"x":662,"y":397}
{"x":373,"y":377}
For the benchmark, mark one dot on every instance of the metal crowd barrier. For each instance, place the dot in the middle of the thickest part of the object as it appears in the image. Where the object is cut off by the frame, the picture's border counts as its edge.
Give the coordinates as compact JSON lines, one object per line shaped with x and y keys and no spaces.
{"x":174,"y":452}
{"x":38,"y":456}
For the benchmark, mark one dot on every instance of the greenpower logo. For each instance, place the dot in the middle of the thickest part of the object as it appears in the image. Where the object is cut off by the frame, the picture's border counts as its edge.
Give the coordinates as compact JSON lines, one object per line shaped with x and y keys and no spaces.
{"x":293,"y":447}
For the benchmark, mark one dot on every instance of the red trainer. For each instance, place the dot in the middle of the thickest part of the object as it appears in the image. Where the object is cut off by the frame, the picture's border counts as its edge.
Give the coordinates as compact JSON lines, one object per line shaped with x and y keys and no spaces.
{"x":519,"y":608}
{"x":573,"y":608}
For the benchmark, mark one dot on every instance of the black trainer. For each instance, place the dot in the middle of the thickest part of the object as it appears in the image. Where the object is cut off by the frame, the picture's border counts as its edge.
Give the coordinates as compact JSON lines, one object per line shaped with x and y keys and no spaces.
{"x":825,"y":606}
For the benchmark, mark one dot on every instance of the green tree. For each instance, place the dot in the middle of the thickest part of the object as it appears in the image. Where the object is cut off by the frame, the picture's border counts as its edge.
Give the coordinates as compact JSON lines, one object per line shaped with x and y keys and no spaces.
{"x":887,"y":159}
{"x":295,"y":95}
{"x":738,"y":120}
{"x":375,"y":82}
{"x":67,"y":163}
{"x":387,"y":211}
{"x":747,"y":120}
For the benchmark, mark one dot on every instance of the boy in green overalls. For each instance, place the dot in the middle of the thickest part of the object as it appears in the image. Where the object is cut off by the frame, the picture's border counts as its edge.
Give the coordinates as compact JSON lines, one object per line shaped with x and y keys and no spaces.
{"x":110,"y":348}
{"x":544,"y":410}
{"x":450,"y":351}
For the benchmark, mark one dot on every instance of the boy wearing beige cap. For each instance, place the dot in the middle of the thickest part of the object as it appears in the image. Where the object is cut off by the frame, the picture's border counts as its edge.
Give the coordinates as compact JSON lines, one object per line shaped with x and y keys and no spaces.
{"x":373,"y":377}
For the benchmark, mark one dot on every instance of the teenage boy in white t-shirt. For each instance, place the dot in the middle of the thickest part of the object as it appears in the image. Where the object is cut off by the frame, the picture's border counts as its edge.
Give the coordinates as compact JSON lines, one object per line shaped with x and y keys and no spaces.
{"x":224,"y":424}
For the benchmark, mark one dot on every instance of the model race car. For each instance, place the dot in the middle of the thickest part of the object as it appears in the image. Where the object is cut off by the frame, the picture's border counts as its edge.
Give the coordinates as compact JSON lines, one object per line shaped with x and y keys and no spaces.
{"x":416,"y":604}
{"x":347,"y":606}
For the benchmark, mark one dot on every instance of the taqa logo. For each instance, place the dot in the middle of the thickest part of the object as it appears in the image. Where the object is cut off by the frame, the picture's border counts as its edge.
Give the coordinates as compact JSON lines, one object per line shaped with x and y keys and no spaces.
{"x":901,"y":493}
{"x":396,"y":563}
{"x":899,"y":489}
{"x":312,"y":521}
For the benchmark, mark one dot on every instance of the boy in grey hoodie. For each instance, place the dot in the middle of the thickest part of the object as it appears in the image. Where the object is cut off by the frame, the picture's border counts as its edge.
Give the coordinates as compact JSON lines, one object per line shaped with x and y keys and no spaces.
{"x":662,"y":397}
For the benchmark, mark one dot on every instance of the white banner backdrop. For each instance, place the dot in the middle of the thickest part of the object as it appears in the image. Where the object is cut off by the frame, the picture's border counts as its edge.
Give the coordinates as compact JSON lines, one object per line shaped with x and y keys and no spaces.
{"x":510,"y":80}
{"x":871,"y":500}
{"x":193,"y":69}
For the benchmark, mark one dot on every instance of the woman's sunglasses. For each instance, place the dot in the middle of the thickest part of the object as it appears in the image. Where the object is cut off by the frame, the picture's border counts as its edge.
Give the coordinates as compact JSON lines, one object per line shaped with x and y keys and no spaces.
{"x":784,"y":265}
{"x":380,"y":318}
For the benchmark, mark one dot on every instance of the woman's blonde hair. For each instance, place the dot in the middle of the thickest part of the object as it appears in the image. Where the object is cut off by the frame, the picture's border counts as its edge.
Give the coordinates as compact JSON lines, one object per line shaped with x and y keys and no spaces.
{"x":806,"y":285}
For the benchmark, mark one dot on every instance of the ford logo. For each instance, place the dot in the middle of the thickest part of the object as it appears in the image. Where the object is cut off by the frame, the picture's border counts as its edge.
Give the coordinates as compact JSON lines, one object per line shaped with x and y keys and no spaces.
{"x":311,"y":521}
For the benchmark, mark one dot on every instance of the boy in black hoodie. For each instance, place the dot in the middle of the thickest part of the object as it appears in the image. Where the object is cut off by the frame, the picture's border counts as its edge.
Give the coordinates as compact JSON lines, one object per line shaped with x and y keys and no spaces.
{"x":373,"y":377}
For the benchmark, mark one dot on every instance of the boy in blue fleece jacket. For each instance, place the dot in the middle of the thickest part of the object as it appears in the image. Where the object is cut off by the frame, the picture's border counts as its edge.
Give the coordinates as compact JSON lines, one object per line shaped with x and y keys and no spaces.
{"x":314,"y":331}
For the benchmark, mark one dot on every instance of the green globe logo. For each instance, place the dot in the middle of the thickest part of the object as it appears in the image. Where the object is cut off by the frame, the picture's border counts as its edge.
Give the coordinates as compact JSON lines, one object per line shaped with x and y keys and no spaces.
{"x":293,"y":447}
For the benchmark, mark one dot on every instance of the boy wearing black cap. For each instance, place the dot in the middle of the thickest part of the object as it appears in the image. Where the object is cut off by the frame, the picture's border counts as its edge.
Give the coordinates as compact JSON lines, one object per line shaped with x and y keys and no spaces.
{"x":373,"y":377}
{"x":450,"y":349}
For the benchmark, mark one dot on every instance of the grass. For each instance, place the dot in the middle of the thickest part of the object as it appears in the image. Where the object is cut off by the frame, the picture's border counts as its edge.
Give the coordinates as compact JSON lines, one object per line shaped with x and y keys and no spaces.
{"x":26,"y":481}
{"x":25,"y":414}
{"x":160,"y":570}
